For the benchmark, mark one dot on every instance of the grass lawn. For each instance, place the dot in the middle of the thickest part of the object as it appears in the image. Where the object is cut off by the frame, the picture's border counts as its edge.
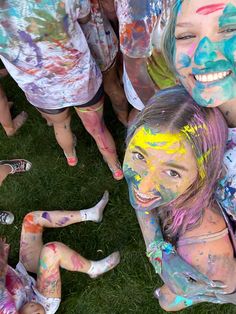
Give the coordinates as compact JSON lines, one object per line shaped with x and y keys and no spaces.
{"x":51,"y":185}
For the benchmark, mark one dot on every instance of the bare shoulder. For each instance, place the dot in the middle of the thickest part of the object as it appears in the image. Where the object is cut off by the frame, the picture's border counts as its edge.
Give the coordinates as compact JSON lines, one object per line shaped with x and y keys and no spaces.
{"x":209,"y":249}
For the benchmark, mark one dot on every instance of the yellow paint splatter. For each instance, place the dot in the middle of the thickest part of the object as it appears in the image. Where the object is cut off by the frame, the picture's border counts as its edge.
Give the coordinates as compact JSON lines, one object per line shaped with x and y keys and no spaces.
{"x":171,"y":143}
{"x":193,"y":130}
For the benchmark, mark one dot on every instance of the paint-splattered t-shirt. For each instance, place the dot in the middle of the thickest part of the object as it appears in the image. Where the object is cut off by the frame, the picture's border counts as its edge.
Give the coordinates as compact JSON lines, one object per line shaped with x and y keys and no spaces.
{"x":21,"y":288}
{"x":137,"y":21}
{"x":101,"y":37}
{"x":44,"y":49}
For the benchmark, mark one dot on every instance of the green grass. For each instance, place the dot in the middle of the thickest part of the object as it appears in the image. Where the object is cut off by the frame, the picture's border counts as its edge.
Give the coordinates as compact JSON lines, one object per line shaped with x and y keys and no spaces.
{"x":50,"y":185}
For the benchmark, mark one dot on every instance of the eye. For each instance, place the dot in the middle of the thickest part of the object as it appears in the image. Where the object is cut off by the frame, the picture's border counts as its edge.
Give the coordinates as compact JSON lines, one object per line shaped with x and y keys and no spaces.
{"x":184,"y":36}
{"x":228,"y":30}
{"x":138,"y":156}
{"x":173,"y":174}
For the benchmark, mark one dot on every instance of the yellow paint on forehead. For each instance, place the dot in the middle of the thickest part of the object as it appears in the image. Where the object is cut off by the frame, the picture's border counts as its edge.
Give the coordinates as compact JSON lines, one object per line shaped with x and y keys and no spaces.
{"x":168,"y":142}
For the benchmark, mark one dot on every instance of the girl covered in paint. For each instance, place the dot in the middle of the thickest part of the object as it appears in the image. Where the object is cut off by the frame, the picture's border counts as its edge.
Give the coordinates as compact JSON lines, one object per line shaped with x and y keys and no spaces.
{"x":103,"y":44}
{"x":44,"y":49}
{"x":199,"y":44}
{"x":20,"y":293}
{"x":172,"y":164}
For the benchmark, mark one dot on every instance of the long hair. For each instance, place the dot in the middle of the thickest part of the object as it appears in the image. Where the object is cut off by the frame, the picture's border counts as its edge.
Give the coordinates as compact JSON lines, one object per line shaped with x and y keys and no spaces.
{"x":168,"y":39}
{"x":173,"y":110}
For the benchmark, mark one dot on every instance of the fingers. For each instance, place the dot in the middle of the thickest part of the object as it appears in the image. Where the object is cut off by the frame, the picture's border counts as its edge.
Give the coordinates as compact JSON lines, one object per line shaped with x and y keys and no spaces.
{"x":204,"y":298}
{"x":230,"y":298}
{"x":199,"y":277}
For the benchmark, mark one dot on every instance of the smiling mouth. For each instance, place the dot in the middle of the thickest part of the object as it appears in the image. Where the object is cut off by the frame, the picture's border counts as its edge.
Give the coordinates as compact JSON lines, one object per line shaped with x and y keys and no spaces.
{"x":211,"y":77}
{"x":145,"y":199}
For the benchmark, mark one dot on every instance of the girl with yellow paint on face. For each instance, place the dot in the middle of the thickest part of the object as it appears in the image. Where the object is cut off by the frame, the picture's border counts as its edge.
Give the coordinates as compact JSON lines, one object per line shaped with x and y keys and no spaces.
{"x":172,"y":164}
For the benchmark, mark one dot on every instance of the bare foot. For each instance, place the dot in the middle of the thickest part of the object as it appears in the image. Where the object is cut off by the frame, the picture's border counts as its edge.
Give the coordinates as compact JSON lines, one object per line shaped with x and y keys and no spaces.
{"x":18,"y":121}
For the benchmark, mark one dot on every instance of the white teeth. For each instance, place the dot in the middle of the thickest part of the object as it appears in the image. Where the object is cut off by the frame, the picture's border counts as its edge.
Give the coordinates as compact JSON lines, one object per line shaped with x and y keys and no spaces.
{"x":205,"y":78}
{"x":145,"y":197}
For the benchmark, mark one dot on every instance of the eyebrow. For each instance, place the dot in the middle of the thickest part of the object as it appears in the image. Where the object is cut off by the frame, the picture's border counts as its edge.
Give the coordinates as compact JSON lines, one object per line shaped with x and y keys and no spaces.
{"x":141,"y":150}
{"x":176,"y":166}
{"x":184,"y":24}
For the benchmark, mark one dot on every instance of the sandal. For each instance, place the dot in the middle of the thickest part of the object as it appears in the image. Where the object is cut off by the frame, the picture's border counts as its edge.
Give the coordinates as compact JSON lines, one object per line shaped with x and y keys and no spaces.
{"x":117,"y":173}
{"x":72,"y":160}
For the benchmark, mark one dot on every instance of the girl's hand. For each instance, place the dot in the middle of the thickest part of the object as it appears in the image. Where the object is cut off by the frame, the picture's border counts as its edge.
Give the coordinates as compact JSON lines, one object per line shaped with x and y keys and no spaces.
{"x":183,"y":279}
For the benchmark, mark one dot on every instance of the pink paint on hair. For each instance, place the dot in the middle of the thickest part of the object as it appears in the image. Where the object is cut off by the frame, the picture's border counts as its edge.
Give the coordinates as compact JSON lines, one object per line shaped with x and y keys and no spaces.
{"x":208,"y":9}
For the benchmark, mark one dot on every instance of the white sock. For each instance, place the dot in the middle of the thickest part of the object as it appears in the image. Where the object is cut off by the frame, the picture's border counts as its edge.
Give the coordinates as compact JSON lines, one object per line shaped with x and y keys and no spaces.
{"x":100,"y":267}
{"x":95,"y":213}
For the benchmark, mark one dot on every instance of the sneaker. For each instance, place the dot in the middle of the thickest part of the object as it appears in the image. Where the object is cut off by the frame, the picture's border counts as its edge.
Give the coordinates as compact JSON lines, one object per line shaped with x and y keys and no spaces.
{"x":17,"y":165}
{"x":6,"y":218}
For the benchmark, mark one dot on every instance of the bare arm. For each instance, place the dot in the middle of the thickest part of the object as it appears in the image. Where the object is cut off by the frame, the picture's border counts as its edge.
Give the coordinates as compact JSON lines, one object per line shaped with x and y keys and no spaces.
{"x":136,"y":69}
{"x":213,"y":258}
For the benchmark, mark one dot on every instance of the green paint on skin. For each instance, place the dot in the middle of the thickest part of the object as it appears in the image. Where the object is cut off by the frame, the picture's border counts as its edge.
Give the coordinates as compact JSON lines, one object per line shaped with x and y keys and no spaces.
{"x":42,"y":264}
{"x":167,"y":194}
{"x":229,"y":16}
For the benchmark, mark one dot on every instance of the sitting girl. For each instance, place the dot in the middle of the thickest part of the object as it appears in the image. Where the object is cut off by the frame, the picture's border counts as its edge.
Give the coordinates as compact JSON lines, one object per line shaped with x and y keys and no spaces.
{"x":172,"y":164}
{"x":20,"y":293}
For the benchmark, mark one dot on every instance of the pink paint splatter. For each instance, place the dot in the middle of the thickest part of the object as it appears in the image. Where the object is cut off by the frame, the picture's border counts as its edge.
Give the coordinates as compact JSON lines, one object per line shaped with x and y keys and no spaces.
{"x":78,"y":264}
{"x":53,"y":247}
{"x":208,"y":9}
{"x":191,"y":49}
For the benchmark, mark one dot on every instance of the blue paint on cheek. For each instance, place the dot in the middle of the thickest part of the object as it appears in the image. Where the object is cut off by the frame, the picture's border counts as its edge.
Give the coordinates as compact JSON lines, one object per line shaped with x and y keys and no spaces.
{"x":229,"y":48}
{"x":185,"y":60}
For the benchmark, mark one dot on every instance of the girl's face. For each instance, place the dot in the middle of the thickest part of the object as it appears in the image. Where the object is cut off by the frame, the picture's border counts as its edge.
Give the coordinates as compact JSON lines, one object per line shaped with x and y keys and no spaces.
{"x":205,"y":50}
{"x":158,"y":168}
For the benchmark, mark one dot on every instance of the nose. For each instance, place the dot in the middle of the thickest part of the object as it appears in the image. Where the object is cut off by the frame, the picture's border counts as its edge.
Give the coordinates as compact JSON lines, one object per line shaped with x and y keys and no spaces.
{"x":206,"y":51}
{"x":147,"y":184}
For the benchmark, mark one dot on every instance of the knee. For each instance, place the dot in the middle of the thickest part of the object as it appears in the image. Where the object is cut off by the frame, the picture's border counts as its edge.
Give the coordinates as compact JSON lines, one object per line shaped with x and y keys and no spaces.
{"x":51,"y":251}
{"x":95,"y":127}
{"x":30,"y":223}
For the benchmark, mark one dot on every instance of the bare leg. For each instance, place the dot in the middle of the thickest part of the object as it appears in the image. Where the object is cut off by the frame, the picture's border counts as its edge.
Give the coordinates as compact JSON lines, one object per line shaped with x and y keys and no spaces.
{"x":116,"y":94}
{"x":63,"y":134}
{"x":5,"y":170}
{"x":92,"y":119}
{"x":3,"y":72}
{"x":50,"y":257}
{"x":55,"y":255}
{"x":10,"y":126}
{"x":34,"y":222}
